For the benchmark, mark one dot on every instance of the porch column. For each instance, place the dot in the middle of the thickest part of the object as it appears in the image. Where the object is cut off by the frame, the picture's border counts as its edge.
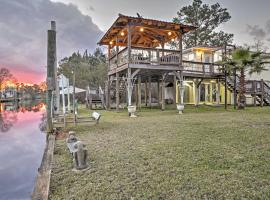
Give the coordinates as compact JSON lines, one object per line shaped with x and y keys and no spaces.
{"x":218,"y":92}
{"x":117,"y":92}
{"x":158,"y":90}
{"x":262,"y":92}
{"x":129,"y":87}
{"x":139,"y":93}
{"x":174,"y":90}
{"x":180,"y":107}
{"x":163,"y":94}
{"x":206,"y":92}
{"x":211,"y":93}
{"x":197,"y":84}
{"x":108,"y":88}
{"x":145,"y":92}
{"x":108,"y":96}
{"x":254,"y":87}
{"x":149,"y":92}
{"x":129,"y":81}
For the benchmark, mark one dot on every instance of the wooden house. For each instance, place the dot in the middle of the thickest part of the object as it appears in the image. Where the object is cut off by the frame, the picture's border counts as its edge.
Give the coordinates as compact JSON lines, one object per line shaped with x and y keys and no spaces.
{"x":141,"y":61}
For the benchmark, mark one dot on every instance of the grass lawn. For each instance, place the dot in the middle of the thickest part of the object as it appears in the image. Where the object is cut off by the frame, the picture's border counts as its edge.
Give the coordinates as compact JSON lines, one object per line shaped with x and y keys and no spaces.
{"x":207,"y":153}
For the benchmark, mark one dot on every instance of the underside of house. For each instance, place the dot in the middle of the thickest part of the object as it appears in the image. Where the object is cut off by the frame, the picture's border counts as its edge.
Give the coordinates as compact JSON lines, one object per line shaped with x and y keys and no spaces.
{"x":142,"y":69}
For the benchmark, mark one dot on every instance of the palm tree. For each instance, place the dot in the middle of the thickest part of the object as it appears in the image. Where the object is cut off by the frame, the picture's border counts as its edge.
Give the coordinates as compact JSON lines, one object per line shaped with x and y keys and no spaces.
{"x":243,"y":61}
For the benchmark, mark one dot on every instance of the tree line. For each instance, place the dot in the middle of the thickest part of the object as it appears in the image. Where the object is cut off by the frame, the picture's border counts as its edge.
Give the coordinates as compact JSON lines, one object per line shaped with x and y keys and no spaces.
{"x":90,"y":69}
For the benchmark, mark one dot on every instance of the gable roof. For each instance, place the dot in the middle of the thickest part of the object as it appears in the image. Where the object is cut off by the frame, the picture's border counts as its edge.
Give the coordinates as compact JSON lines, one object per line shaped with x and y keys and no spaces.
{"x":146,"y":32}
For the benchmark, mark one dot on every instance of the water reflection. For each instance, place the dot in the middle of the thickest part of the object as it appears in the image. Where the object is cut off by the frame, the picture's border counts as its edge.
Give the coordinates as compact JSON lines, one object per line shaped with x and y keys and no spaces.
{"x":9,"y":110}
{"x":21,"y":148}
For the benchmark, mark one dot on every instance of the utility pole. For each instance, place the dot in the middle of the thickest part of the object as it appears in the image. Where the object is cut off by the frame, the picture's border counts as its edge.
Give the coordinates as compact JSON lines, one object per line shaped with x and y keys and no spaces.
{"x":57,"y":92}
{"x":51,"y":59}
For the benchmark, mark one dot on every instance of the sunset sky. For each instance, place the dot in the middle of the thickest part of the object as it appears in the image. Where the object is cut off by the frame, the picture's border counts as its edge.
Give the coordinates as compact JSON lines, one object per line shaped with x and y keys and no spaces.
{"x":81,"y":23}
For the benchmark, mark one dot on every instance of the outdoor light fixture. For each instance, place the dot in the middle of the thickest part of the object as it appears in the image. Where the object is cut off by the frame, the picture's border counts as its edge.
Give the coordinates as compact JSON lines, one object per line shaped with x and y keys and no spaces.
{"x":111,"y":42}
{"x":172,"y":39}
{"x":170,"y":33}
{"x":122,"y":33}
{"x":141,"y":29}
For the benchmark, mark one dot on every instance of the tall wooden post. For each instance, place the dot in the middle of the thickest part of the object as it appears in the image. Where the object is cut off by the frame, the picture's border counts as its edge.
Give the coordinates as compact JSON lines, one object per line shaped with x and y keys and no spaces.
{"x":108,"y":95}
{"x":129,"y":81}
{"x":51,"y":59}
{"x":139,"y":89}
{"x":117,"y":92}
{"x":108,"y":88}
{"x":163,"y":93}
{"x":180,"y":73}
{"x":158,"y":88}
{"x":145,"y":92}
{"x":226,"y":84}
{"x":57,"y":92}
{"x":262,"y":92}
{"x":254,"y":86}
{"x":149,"y":92}
{"x":117,"y":77}
{"x":234,"y":89}
{"x":174,"y":90}
{"x":218,"y":92}
{"x":226,"y":90}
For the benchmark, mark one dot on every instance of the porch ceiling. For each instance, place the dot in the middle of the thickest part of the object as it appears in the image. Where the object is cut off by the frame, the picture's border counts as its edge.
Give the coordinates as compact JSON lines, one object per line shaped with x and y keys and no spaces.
{"x":145,"y":32}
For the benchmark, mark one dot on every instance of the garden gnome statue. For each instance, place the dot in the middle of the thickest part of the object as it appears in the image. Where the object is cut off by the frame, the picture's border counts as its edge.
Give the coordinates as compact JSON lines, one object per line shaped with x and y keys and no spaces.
{"x":80,"y":155}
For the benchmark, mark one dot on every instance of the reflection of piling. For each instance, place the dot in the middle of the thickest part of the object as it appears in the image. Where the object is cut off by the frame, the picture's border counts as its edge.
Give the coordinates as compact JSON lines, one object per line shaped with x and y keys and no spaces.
{"x":51,"y":60}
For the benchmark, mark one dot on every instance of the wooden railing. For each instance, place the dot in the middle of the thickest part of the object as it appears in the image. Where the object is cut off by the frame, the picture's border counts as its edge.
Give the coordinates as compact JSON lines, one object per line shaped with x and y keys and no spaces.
{"x":201,"y":67}
{"x":150,"y":56}
{"x":251,"y":86}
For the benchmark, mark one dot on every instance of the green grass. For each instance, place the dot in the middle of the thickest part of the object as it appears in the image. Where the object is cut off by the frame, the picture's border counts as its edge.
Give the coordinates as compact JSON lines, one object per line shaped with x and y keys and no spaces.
{"x":207,"y":153}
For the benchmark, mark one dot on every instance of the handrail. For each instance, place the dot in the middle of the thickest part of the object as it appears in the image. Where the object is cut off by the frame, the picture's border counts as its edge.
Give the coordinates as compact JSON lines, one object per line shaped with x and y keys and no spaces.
{"x":118,"y":53}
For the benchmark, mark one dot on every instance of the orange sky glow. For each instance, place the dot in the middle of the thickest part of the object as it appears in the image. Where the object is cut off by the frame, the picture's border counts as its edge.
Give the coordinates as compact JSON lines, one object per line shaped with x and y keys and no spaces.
{"x":27,"y":77}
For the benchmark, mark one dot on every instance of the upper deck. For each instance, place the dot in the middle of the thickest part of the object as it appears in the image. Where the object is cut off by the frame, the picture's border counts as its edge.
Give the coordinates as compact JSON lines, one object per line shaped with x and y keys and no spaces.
{"x":161,"y":59}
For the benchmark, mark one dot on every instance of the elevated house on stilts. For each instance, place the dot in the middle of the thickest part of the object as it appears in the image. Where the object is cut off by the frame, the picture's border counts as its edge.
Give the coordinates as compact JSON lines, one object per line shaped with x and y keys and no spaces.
{"x":143,"y":68}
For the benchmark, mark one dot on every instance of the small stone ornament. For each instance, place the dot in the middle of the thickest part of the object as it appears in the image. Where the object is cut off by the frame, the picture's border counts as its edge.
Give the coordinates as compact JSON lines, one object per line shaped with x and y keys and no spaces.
{"x":80,"y":155}
{"x":78,"y":151}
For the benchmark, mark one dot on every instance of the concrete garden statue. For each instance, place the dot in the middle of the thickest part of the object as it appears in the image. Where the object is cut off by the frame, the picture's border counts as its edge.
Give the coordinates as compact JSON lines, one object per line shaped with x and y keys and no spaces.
{"x":80,"y":155}
{"x":78,"y":151}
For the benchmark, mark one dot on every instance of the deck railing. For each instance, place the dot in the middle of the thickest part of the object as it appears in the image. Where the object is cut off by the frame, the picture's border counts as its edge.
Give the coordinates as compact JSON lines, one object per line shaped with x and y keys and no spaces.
{"x":150,"y":56}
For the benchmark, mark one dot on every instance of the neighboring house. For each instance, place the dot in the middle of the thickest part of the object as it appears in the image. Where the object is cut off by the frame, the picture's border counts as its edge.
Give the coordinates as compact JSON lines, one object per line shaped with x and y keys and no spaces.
{"x":8,"y":93}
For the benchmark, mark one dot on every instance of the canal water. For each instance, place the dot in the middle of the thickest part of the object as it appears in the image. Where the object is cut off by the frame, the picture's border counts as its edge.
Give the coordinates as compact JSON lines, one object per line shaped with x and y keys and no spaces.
{"x":22,"y":143}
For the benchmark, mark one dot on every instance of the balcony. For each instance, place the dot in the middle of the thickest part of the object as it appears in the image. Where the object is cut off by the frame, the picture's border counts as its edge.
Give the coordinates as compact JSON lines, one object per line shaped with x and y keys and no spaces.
{"x":160,"y":59}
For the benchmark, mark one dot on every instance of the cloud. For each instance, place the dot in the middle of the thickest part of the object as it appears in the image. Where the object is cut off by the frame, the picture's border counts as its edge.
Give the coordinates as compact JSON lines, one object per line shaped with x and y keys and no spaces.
{"x":23,"y":33}
{"x":256,"y":31}
{"x":91,"y":8}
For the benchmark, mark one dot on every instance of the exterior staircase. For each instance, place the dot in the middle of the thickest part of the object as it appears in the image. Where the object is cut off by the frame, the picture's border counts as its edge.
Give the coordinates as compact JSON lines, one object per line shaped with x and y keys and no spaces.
{"x":258,"y":89}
